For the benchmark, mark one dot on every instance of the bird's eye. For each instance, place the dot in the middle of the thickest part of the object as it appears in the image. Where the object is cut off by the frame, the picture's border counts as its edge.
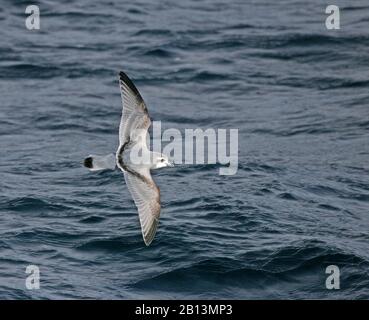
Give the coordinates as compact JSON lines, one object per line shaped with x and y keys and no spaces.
{"x":162,"y":160}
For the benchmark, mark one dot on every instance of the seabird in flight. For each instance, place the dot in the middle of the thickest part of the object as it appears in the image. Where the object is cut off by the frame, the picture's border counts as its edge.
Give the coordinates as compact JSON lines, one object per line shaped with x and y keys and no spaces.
{"x":134,"y":124}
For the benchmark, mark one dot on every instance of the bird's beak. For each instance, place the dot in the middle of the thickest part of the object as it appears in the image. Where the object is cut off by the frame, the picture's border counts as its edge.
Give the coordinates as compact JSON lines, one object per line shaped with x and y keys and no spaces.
{"x":170,"y":164}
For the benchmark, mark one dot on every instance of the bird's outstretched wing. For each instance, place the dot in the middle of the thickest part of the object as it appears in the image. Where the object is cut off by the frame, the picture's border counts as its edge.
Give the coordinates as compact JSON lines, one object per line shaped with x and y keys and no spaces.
{"x":146,"y":196}
{"x":133,"y":127}
{"x":135,"y":119}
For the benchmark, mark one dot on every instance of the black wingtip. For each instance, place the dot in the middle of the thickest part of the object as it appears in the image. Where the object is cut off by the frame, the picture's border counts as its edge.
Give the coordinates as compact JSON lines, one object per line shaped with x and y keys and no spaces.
{"x":123,"y":77}
{"x":88,"y":162}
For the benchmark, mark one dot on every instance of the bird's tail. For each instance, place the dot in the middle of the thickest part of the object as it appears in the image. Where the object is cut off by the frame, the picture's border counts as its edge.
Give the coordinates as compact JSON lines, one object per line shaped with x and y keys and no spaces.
{"x":95,"y":162}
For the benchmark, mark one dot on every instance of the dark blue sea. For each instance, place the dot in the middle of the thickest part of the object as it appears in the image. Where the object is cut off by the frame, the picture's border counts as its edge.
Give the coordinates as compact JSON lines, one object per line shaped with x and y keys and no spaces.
{"x":298,"y":94}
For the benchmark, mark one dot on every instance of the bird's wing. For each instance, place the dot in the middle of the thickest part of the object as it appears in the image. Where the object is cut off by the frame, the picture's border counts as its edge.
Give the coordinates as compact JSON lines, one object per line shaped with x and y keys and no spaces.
{"x":146,"y":196}
{"x":135,"y":119}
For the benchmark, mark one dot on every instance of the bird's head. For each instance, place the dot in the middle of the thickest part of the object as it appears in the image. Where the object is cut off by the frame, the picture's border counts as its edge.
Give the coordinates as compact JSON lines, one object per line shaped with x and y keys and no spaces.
{"x":162,"y":161}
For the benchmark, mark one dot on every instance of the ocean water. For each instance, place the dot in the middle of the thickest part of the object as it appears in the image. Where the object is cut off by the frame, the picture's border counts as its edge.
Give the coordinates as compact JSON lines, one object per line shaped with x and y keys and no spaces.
{"x":298,"y":94}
